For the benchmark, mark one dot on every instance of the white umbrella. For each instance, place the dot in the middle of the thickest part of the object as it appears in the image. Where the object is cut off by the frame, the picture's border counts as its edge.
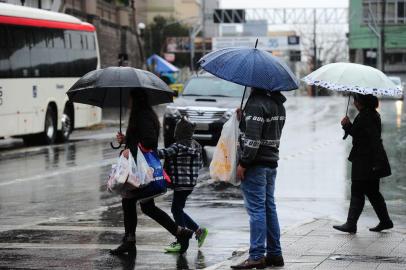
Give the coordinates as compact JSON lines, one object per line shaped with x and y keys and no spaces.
{"x":353,"y":78}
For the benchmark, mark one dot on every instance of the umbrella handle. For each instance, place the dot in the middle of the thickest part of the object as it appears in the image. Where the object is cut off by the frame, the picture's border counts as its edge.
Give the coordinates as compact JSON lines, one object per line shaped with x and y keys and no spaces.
{"x":115,"y":147}
{"x":346,"y":114}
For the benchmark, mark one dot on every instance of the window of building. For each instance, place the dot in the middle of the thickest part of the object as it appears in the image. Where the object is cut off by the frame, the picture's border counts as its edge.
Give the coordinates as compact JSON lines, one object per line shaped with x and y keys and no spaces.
{"x":401,"y":11}
{"x":395,"y":58}
{"x":395,"y":11}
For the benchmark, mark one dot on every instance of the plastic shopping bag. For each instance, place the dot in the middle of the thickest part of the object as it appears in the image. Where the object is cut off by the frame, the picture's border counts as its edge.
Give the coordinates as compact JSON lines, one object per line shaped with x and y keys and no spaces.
{"x":159,"y":185}
{"x":223,"y":166}
{"x":140,"y":173}
{"x":118,"y":175}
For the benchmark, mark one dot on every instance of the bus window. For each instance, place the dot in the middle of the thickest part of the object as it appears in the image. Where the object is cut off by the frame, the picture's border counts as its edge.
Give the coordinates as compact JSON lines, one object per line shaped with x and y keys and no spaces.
{"x":39,"y":37}
{"x":49,"y":38}
{"x":19,"y":52}
{"x":92,"y":42}
{"x":68,"y":43}
{"x":4,"y":53}
{"x":86,"y":41}
{"x":58,"y":39}
{"x":19,"y":38}
{"x":3,"y":37}
{"x":76,"y":40}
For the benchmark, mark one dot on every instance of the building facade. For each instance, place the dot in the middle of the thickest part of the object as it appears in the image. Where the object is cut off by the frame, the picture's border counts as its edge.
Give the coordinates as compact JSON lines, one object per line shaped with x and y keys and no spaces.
{"x":366,"y":17}
{"x":187,"y":11}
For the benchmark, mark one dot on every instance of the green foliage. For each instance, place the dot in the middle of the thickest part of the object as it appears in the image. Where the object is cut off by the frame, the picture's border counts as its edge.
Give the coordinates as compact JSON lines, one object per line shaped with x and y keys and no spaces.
{"x":123,"y":2}
{"x":157,"y":32}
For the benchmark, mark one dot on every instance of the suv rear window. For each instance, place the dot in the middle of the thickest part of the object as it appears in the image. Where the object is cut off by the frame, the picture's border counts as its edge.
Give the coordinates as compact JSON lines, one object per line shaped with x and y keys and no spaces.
{"x":211,"y":86}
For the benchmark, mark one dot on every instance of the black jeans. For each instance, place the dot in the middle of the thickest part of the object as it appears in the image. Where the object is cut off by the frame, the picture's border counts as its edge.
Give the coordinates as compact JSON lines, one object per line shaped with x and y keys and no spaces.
{"x":150,"y":209}
{"x":369,"y":188}
{"x":178,"y":203}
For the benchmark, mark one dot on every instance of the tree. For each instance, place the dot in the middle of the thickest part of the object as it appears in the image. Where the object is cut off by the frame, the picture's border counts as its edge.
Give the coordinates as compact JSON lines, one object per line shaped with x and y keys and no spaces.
{"x":157,"y":32}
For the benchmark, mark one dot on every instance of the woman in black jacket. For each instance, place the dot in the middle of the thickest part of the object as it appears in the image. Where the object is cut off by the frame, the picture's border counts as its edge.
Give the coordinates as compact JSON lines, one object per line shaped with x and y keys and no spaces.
{"x":369,"y":164}
{"x":143,"y":128}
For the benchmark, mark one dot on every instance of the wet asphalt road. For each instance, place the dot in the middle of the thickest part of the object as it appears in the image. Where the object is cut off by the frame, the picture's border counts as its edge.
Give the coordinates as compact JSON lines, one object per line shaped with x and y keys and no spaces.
{"x":56,"y":214}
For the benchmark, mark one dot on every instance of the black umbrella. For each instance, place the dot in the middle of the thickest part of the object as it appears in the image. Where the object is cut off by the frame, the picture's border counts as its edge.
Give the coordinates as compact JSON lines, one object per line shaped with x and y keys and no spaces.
{"x":111,"y":87}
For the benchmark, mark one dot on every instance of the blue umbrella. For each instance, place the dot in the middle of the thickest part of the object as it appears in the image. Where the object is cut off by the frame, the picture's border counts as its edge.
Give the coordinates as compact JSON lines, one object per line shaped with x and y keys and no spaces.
{"x":250,"y":67}
{"x":161,"y":65}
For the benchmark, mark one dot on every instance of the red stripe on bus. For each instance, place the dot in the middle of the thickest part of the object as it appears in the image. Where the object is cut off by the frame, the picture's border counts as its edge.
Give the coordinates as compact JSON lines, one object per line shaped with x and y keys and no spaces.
{"x":46,"y":24}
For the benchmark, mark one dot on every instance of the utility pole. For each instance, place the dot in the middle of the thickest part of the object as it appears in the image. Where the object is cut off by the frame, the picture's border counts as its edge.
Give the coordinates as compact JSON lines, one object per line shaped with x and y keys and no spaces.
{"x":382,"y":37}
{"x":203,"y":3}
{"x":373,"y":22}
{"x":314,"y":90}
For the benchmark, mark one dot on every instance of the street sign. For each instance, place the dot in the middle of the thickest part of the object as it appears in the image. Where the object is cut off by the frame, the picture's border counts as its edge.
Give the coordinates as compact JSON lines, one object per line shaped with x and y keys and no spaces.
{"x":293,"y":40}
{"x":280,"y":43}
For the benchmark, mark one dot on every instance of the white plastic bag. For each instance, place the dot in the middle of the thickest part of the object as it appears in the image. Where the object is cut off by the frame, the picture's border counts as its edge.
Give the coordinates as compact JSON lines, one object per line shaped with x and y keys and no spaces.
{"x":140,"y":173}
{"x":118,"y":175}
{"x":223,"y":166}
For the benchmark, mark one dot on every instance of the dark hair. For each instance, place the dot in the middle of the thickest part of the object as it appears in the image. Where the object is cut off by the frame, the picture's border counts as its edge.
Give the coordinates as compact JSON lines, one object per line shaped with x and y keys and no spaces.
{"x":140,"y":105}
{"x":367,"y":101}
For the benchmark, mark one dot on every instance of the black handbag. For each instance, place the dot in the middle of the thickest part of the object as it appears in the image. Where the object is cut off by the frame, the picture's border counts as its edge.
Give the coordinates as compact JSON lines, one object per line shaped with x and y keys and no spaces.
{"x":381,"y":167}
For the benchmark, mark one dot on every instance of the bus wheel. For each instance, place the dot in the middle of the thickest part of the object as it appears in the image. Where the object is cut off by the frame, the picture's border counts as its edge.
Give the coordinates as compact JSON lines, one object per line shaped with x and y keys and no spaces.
{"x":67,"y":125}
{"x":50,"y":128}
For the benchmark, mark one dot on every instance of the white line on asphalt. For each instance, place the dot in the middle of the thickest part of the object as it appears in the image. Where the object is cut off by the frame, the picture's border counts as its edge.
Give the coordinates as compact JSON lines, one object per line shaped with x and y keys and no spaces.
{"x":141,"y":229}
{"x":71,"y":246}
{"x":308,"y":150}
{"x":140,"y":247}
{"x":59,"y":172}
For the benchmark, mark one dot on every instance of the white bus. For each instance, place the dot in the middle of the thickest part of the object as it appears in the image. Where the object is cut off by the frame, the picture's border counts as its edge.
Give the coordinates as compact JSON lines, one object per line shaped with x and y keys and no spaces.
{"x":42,"y":54}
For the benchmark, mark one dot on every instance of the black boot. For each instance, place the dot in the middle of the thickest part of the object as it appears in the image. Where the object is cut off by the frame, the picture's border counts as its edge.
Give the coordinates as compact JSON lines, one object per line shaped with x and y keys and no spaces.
{"x":127,"y":245}
{"x":356,"y":205}
{"x":183,"y":238}
{"x":382,"y":226}
{"x":379,"y":205}
{"x":346,"y":227}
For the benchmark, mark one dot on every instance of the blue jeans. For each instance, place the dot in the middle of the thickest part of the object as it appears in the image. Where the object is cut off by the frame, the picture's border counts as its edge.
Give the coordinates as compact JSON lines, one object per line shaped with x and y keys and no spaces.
{"x":258,"y":189}
{"x":181,"y":218}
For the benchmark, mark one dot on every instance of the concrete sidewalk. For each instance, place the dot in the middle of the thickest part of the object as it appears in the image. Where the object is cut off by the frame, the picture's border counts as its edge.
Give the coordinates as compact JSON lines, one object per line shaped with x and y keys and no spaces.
{"x":316,"y":245}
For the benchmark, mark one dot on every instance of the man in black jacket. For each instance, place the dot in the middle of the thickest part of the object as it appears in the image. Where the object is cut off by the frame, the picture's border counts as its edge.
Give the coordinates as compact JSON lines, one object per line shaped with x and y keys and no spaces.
{"x":261,"y":128}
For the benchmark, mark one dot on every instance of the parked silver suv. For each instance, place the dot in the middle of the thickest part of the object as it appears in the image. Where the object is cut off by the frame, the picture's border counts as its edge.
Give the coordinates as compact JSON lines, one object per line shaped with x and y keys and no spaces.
{"x":207,"y":101}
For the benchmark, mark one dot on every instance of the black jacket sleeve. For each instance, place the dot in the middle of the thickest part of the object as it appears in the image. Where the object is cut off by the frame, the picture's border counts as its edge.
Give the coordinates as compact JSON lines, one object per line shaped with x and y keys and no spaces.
{"x":254,"y":118}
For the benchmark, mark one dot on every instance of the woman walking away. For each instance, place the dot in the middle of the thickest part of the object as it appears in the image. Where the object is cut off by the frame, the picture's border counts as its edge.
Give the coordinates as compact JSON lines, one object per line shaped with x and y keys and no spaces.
{"x":183,"y":160}
{"x":369,"y":164}
{"x":143,"y":128}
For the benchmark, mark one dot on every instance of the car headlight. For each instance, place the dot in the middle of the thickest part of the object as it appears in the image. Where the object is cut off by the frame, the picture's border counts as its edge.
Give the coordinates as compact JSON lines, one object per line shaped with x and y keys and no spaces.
{"x":227,"y":114}
{"x":172,"y":112}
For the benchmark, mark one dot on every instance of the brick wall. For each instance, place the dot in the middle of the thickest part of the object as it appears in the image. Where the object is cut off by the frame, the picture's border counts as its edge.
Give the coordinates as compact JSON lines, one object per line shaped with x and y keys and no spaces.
{"x":113,"y":38}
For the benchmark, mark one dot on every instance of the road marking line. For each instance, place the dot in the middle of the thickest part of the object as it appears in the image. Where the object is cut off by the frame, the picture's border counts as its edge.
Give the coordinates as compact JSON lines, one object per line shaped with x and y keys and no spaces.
{"x":62,"y":171}
{"x":72,"y":246}
{"x":140,"y":247}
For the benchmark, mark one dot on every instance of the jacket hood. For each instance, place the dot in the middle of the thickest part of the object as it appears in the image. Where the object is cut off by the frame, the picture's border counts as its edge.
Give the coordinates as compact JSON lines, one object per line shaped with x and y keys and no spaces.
{"x":277,"y":96}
